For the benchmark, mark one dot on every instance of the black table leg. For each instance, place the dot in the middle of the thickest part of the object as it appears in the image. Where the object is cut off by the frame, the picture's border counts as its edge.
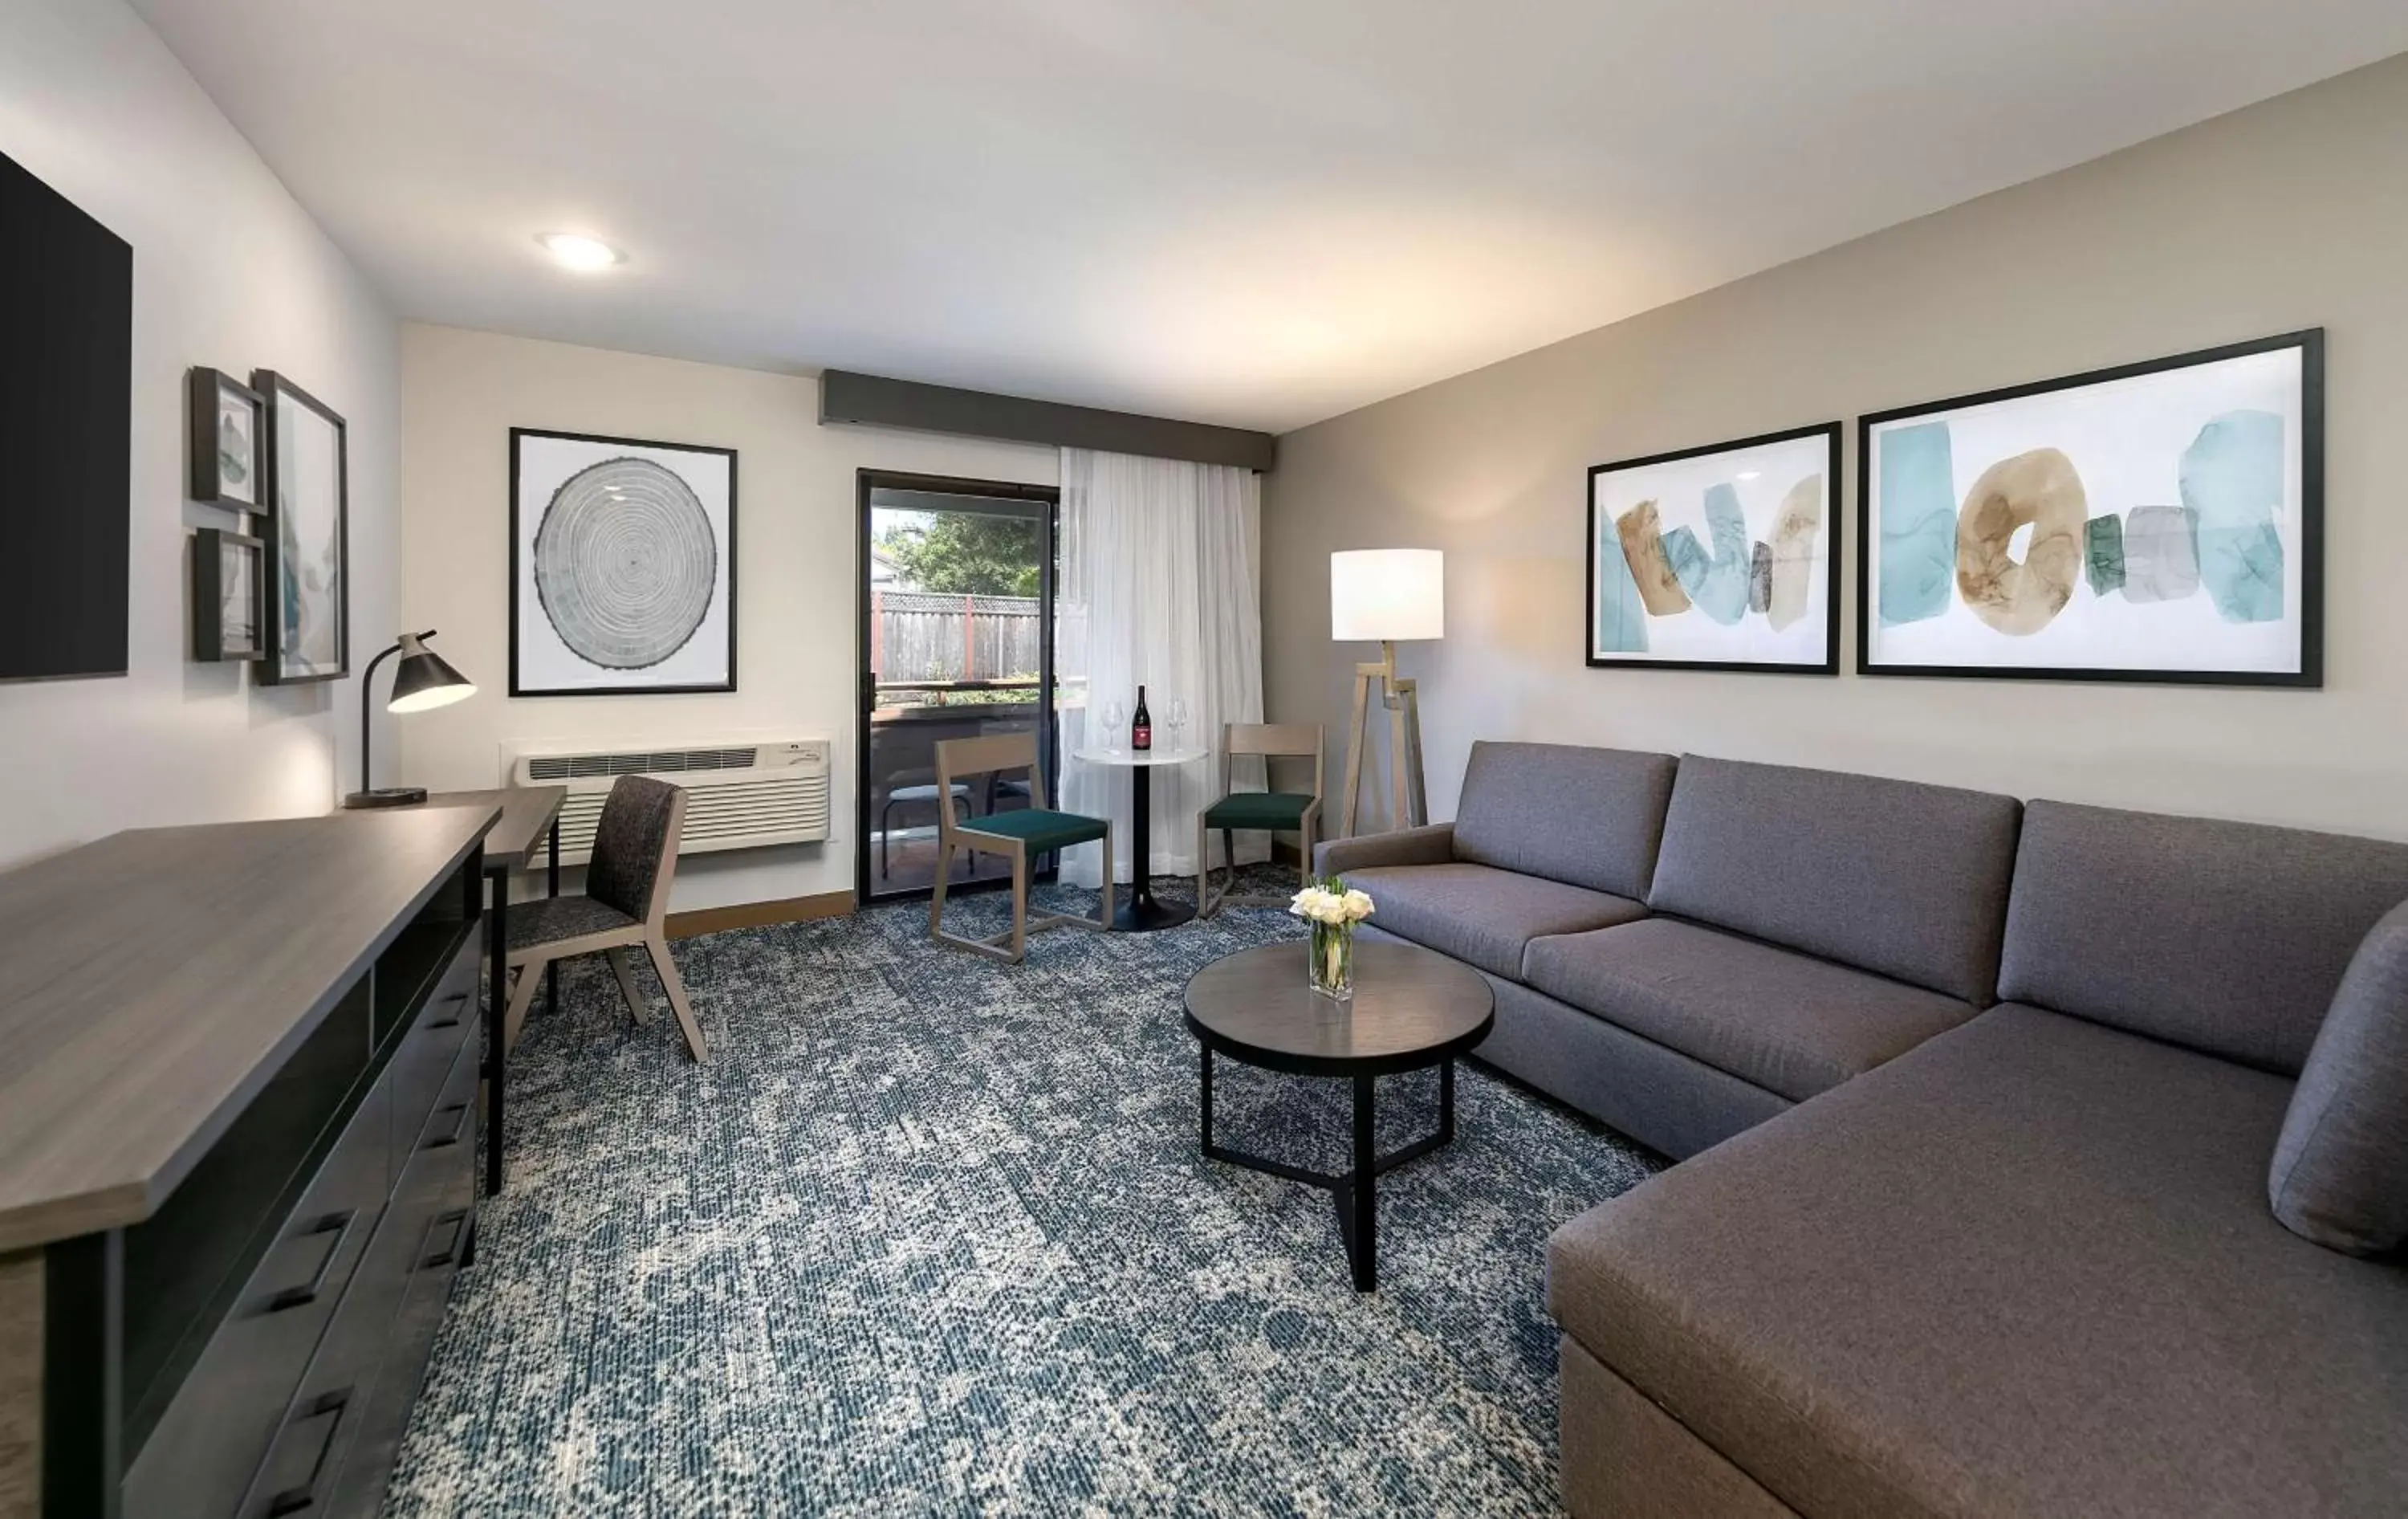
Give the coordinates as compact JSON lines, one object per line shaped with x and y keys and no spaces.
{"x":1141,"y":914}
{"x":1206,"y":1051}
{"x":552,"y":888}
{"x":498,"y":951}
{"x":1362,"y":1241}
{"x":1446,"y":1099}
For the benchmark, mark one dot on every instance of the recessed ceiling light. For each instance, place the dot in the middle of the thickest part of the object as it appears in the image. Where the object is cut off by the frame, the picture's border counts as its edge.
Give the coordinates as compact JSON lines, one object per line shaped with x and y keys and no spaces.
{"x":1750,"y":474}
{"x":575,"y":250}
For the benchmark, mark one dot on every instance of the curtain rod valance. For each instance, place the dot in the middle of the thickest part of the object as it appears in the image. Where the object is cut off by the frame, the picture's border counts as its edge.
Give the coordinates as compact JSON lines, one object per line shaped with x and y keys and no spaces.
{"x":873,"y":401}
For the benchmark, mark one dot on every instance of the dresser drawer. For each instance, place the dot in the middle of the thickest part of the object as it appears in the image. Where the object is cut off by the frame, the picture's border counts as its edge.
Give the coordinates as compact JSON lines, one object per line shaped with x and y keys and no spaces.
{"x":209,"y":1442}
{"x":447,"y":1023}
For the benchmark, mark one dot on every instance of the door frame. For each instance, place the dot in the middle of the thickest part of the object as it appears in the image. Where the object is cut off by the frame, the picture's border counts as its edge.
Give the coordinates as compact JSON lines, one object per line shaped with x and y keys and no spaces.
{"x":865,"y":697}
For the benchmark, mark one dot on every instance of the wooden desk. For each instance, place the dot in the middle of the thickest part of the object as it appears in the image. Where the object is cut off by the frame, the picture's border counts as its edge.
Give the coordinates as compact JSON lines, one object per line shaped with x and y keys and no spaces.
{"x":530,"y":818}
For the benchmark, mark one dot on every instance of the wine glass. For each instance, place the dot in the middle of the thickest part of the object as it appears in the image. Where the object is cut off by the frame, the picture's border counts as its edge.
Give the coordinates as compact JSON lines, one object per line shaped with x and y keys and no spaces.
{"x":1114,"y":715}
{"x":1178,"y":721}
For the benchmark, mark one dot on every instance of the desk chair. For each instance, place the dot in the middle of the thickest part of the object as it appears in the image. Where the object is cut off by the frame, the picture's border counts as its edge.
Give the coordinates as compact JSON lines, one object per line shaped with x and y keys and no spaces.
{"x":1276,"y":811}
{"x":1022,"y":833}
{"x":625,"y":906}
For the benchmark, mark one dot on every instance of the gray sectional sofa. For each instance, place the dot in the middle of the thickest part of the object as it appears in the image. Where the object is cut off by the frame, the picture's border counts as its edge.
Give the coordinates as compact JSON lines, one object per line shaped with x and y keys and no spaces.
{"x":1982,"y":1099}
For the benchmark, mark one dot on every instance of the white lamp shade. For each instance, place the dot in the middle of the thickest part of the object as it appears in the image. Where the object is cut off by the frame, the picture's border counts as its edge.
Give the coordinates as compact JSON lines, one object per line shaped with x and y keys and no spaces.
{"x":1388,"y":594}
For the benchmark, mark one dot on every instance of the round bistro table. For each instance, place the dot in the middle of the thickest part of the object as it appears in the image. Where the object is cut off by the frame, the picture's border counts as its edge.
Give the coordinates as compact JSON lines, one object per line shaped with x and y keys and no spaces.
{"x":1413,"y":1009}
{"x":1140,"y":913}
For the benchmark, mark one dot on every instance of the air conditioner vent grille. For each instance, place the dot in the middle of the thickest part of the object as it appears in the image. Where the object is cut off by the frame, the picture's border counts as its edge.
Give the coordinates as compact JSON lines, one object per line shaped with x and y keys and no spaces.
{"x":658,"y":762}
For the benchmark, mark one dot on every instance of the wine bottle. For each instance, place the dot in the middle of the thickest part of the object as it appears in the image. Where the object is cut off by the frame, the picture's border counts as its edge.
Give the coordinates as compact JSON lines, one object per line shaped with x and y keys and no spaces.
{"x":1140,"y":724}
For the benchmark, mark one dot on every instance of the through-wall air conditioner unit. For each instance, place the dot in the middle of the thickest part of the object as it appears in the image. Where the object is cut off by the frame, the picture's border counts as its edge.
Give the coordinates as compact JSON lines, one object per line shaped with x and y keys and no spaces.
{"x":740,"y":795}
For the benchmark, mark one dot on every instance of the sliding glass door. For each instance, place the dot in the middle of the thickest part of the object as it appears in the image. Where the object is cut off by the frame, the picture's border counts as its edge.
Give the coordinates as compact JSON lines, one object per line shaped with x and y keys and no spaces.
{"x":956,"y":642}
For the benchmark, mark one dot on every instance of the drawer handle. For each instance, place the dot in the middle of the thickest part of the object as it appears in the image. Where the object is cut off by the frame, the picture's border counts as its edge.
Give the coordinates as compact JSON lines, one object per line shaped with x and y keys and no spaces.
{"x":430,"y":1257}
{"x":452,"y":1021}
{"x":295,"y":1500}
{"x":339,"y":1225}
{"x":459,"y":1126}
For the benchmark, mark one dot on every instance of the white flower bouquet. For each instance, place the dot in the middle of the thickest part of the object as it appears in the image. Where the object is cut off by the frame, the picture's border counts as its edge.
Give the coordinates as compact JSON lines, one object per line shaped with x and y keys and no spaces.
{"x":1333,"y":908}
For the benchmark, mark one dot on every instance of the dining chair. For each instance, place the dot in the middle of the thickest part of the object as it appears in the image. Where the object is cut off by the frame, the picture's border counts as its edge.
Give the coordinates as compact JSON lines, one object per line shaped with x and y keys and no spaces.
{"x":625,"y":906}
{"x":1023,"y":833}
{"x":1276,"y":811}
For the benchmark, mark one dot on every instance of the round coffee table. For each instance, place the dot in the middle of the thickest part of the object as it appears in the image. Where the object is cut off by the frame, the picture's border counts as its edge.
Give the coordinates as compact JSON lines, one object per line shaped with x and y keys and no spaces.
{"x":1413,"y":1009}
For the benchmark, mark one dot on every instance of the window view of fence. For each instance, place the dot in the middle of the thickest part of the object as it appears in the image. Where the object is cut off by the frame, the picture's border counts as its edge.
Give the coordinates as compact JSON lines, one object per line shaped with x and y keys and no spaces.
{"x":934,"y":650}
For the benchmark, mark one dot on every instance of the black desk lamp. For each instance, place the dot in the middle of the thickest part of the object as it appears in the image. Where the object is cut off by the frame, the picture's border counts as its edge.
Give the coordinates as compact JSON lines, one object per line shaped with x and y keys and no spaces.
{"x":421,"y":681}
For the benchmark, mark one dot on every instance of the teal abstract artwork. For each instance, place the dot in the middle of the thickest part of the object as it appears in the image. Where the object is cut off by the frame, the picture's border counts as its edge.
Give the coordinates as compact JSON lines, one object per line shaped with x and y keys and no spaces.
{"x":1621,"y":616}
{"x":1918,"y":524}
{"x":2232,"y":479}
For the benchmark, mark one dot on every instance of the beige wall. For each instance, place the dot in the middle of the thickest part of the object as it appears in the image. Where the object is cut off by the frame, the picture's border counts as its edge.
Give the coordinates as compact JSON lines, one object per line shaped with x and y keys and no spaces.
{"x":229,"y":273}
{"x":2290,"y":214}
{"x":797,"y":605}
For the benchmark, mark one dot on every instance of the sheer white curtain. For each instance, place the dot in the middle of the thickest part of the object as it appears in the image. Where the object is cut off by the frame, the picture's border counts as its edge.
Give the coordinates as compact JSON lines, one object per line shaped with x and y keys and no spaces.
{"x":1157,"y":589}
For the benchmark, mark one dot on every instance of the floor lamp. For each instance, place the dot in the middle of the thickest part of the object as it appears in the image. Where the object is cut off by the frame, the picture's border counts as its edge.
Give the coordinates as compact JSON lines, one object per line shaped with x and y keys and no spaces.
{"x":1386,"y":597}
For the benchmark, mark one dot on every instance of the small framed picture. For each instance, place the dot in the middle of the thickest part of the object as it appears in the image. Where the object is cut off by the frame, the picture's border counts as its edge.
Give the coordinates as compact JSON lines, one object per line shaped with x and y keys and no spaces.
{"x":226,"y":433}
{"x":227,"y":613}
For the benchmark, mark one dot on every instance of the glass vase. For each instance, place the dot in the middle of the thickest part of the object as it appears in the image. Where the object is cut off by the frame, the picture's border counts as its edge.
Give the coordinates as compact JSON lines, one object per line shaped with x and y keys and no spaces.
{"x":1332,"y":969}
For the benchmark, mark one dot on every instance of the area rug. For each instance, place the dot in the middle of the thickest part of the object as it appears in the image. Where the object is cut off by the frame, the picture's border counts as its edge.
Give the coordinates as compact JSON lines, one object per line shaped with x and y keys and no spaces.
{"x":932,"y":1235}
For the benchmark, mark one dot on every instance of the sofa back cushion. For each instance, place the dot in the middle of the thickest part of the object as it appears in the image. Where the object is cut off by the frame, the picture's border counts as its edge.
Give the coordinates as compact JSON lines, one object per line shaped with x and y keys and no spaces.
{"x":1587,"y":817}
{"x":1894,"y":877}
{"x":2226,"y":938}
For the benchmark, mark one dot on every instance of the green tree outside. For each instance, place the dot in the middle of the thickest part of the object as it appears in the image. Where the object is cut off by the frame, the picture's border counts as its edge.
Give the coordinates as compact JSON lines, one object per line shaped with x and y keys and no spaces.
{"x":964,"y":553}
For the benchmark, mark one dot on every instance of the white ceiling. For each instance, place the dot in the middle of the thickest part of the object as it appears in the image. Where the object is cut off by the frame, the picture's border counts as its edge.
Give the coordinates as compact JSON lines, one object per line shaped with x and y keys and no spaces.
{"x":1259,"y":212}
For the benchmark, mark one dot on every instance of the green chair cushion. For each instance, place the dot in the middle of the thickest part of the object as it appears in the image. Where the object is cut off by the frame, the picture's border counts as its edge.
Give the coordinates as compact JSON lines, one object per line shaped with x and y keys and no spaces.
{"x":1279,"y":811}
{"x":1040,"y":830}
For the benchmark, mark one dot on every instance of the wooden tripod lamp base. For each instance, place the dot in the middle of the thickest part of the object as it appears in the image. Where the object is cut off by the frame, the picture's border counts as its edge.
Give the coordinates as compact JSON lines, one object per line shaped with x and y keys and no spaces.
{"x":1385,"y":595}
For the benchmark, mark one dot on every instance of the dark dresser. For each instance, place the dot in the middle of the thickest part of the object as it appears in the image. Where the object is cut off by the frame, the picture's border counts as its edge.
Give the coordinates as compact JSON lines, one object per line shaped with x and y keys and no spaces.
{"x":238,"y":1159}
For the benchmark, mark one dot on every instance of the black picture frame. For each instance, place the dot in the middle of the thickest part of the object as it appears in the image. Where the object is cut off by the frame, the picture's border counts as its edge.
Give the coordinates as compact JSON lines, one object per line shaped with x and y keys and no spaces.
{"x":206,"y":393}
{"x":518,"y":684}
{"x":2310,"y":676}
{"x":1829,"y":665}
{"x":279,"y":664}
{"x":214,"y":639}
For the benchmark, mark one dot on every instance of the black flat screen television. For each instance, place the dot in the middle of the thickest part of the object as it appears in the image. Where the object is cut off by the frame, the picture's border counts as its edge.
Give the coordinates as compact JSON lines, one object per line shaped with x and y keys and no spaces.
{"x":67,"y":362}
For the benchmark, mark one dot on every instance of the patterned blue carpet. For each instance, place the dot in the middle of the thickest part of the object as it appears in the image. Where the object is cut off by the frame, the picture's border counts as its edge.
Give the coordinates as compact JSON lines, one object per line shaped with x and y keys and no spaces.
{"x":931,"y":1235}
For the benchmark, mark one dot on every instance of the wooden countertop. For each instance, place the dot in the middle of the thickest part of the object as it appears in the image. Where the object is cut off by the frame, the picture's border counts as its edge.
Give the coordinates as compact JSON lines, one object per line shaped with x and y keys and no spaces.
{"x":151,"y":983}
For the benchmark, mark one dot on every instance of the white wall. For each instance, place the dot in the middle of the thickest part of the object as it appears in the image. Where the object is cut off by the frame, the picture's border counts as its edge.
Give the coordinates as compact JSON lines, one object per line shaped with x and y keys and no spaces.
{"x":228,"y":273}
{"x":2289,"y":214}
{"x":796,"y":572}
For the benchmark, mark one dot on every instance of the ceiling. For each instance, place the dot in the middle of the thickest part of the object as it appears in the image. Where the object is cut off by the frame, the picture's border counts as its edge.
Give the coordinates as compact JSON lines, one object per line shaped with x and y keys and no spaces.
{"x":1256,"y":212}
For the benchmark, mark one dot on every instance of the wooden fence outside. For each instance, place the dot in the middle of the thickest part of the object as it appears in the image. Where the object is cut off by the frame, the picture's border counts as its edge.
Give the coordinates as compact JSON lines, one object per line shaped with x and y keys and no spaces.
{"x":920,"y":636}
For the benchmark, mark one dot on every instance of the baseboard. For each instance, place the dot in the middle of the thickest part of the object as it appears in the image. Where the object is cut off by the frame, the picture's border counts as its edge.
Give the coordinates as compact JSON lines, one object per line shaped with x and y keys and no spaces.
{"x":717,"y":919}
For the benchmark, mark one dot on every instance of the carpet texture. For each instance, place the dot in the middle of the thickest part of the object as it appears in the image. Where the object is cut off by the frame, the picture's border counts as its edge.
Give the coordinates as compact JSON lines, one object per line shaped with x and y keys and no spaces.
{"x":932,"y":1235}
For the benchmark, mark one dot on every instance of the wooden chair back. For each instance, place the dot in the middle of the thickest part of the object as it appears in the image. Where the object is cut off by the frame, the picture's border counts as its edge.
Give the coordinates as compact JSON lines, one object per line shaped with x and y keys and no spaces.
{"x":1268,"y":742}
{"x":636,"y":847}
{"x":957,"y":758}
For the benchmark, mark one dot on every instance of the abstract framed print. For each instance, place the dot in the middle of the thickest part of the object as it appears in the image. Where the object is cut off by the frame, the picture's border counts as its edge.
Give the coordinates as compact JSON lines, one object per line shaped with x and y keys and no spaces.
{"x":2160,"y":522}
{"x":226,"y":425}
{"x":623,"y":566}
{"x":307,"y":496}
{"x":1718,"y":558}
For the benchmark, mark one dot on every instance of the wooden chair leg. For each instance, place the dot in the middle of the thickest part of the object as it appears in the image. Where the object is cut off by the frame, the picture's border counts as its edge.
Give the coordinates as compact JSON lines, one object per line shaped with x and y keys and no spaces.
{"x":636,"y":1003}
{"x":666,"y":969}
{"x":522,"y":997}
{"x":1104,"y":915}
{"x":1305,"y":842}
{"x":1205,"y":907}
{"x":1018,"y":903}
{"x":937,"y":896}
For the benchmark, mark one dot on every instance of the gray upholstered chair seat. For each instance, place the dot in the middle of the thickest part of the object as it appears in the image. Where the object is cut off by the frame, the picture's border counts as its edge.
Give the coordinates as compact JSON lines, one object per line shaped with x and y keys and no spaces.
{"x":1483,"y":915}
{"x":549,"y":920}
{"x":2026,"y":1268}
{"x":1786,"y":1021}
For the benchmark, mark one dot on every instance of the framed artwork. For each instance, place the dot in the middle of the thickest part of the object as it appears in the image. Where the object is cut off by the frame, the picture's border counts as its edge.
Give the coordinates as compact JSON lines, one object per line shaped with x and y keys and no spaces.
{"x":226,"y":601}
{"x":226,"y":422}
{"x":2158,"y":521}
{"x":308,"y":559}
{"x":1718,"y":558}
{"x":623,"y":566}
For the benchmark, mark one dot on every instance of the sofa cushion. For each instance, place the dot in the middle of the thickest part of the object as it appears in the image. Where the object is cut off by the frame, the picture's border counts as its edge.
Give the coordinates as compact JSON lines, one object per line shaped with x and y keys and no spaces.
{"x":1480,"y":915}
{"x":1889,"y":876}
{"x":2340,"y":1175}
{"x":1786,"y":1021}
{"x":1588,"y":817}
{"x":2025,"y":1268}
{"x":2230,"y":937}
